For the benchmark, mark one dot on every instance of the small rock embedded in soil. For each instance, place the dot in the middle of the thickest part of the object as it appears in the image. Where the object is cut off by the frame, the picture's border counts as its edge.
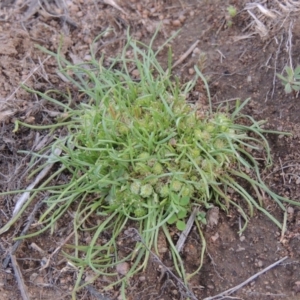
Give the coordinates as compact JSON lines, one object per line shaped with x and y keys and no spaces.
{"x":259,"y":263}
{"x":242,"y":238}
{"x":212,"y":217}
{"x":191,"y":71}
{"x":176,"y":23}
{"x":123,"y":268}
{"x":215,"y":237}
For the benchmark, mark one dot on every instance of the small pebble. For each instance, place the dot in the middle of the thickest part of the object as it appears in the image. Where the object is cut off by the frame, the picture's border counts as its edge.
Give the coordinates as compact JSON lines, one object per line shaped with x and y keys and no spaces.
{"x":122,"y":268}
{"x":135,"y":73}
{"x":181,"y":18}
{"x":191,"y":71}
{"x":196,"y":51}
{"x":215,"y":237}
{"x":79,"y":14}
{"x":242,"y":238}
{"x":176,"y":23}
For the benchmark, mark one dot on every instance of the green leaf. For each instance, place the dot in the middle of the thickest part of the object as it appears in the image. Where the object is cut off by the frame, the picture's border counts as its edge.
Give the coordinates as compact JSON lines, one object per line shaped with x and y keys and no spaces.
{"x":203,"y":221}
{"x":297,"y":77}
{"x":296,"y":87}
{"x":180,"y":225}
{"x":288,"y":88}
{"x":175,"y":198}
{"x":297,"y":71}
{"x":172,"y":219}
{"x":284,"y":79}
{"x":184,"y":201}
{"x":201,"y":215}
{"x":182,"y":213}
{"x":289,"y":72}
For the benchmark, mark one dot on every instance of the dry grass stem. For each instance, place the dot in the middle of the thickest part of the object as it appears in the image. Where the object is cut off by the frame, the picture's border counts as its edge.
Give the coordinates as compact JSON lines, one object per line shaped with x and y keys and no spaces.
{"x":236,"y":288}
{"x":24,"y":81}
{"x":37,"y":180}
{"x":19,"y":278}
{"x":186,"y":54}
{"x":184,"y":234}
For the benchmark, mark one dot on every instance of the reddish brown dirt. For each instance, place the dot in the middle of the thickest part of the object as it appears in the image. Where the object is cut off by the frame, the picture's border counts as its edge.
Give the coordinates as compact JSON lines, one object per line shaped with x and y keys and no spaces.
{"x":236,"y":69}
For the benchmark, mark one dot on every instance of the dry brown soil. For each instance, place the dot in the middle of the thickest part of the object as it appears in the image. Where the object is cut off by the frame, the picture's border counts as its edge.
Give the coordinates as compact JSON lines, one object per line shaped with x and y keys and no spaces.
{"x":236,"y":67}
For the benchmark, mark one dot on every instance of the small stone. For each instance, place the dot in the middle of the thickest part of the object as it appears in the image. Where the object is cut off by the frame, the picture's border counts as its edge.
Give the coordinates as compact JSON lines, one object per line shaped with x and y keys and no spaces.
{"x":145,"y":13}
{"x":191,"y":71}
{"x":163,"y":250}
{"x":242,"y":238}
{"x":33,"y":276}
{"x":239,"y":249}
{"x":181,"y":18}
{"x":260,"y":263}
{"x":87,"y":57}
{"x":215,"y":237}
{"x":135,"y":73}
{"x":196,"y":51}
{"x":150,"y":28}
{"x":122,"y":268}
{"x":176,"y":23}
{"x":89,"y":277}
{"x":212,"y":217}
{"x":30,"y":120}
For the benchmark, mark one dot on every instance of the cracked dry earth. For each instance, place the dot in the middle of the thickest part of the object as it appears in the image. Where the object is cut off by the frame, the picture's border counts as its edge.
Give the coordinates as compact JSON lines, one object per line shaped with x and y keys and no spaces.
{"x":240,"y":61}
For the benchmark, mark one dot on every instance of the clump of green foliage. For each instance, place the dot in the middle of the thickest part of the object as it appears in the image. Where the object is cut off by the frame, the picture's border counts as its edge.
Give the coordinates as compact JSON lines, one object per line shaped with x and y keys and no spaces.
{"x":291,"y":81}
{"x":231,"y":14}
{"x":136,"y":150}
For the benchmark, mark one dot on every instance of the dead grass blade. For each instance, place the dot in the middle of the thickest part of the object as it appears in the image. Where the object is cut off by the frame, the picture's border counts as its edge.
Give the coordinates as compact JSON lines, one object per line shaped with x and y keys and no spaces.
{"x":19,"y":278}
{"x":37,"y":180}
{"x":236,"y":288}
{"x":115,"y":5}
{"x":184,"y":234}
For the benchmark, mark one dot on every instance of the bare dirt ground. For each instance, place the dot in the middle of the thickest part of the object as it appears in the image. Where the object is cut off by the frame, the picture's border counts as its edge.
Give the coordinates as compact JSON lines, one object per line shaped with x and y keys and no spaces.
{"x":240,"y":61}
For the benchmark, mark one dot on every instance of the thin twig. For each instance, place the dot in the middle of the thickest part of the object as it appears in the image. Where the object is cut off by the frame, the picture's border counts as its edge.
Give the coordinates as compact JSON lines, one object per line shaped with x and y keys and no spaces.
{"x":115,"y":5}
{"x":95,"y":293}
{"x":221,"y":56}
{"x":290,"y":44}
{"x":275,"y":67}
{"x":56,"y":250}
{"x":19,"y":278}
{"x":282,"y":173}
{"x":189,"y":293}
{"x":185,"y":55}
{"x":283,"y":227}
{"x":39,"y":177}
{"x":24,"y":231}
{"x":234,"y":289}
{"x":184,"y":234}
{"x":24,"y":81}
{"x":33,"y":7}
{"x":215,"y":266}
